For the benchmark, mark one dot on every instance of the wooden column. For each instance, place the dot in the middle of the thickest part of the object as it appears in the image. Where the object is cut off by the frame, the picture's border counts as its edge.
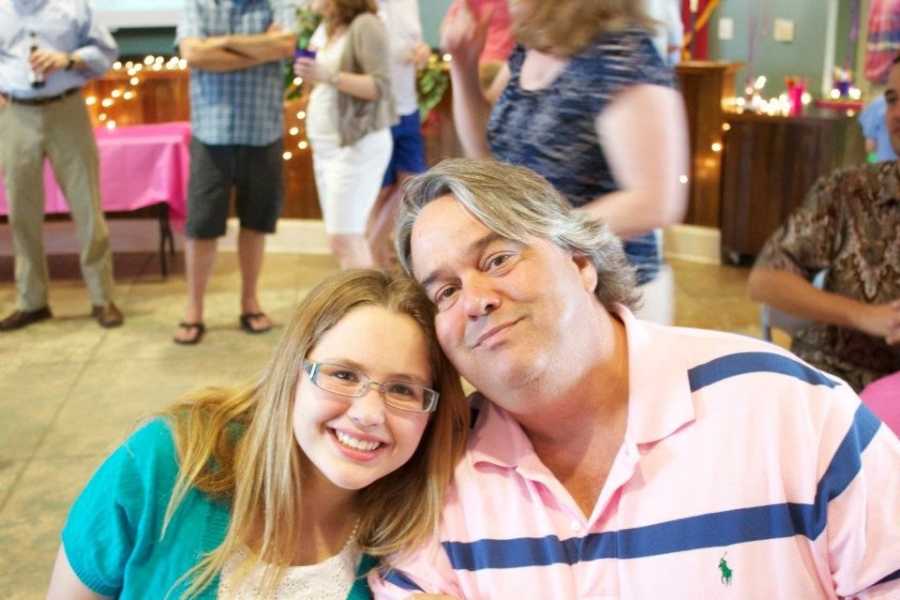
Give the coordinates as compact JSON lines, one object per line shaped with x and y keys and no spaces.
{"x":704,"y":85}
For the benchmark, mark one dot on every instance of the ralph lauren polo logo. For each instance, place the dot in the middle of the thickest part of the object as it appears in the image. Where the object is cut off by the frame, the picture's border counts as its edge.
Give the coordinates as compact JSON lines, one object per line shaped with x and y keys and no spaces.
{"x":725,"y":570}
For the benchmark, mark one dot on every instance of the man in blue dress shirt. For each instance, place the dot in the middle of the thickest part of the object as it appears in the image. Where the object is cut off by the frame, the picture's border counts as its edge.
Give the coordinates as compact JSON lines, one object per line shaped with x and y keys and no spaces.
{"x":48,"y":50}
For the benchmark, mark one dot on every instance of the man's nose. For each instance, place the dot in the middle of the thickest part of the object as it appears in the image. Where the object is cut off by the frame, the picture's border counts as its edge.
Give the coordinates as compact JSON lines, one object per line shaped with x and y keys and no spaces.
{"x":479,"y":299}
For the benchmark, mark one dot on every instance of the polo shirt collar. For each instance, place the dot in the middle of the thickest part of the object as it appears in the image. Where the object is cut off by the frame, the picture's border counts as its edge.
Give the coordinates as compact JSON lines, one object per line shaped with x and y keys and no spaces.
{"x":497,"y":438}
{"x":659,"y":396}
{"x":659,"y":402}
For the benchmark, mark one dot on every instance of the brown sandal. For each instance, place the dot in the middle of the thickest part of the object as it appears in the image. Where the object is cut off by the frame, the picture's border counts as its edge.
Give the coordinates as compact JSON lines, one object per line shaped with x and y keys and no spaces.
{"x":198,"y":330}
{"x":246,"y":320}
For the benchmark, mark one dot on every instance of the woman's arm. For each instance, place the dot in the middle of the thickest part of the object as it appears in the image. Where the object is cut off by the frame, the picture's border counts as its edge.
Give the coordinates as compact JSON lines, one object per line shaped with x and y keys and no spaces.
{"x":644,"y":137}
{"x":361,"y":86}
{"x":64,"y":583}
{"x":354,"y":84}
{"x":463,"y":35}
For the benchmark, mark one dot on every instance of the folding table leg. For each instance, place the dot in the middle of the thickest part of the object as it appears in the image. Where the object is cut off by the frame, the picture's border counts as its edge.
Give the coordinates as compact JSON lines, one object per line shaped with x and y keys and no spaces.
{"x":165,"y":236}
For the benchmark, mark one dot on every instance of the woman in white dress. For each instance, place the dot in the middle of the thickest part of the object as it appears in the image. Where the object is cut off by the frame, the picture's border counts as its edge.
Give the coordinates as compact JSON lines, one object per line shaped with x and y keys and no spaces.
{"x":350,"y":112}
{"x":294,"y":485}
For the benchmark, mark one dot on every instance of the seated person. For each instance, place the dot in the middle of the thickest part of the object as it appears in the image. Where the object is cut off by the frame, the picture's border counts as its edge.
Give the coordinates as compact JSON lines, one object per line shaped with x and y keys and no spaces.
{"x":849,"y":224}
{"x":283,"y":484}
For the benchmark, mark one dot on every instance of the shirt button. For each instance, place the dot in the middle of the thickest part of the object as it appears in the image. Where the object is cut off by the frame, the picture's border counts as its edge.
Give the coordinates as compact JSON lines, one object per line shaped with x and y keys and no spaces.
{"x":576,"y":526}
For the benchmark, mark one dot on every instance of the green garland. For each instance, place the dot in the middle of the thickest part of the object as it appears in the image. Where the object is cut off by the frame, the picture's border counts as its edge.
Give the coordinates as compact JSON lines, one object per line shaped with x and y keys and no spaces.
{"x":431,"y":84}
{"x":307,"y":23}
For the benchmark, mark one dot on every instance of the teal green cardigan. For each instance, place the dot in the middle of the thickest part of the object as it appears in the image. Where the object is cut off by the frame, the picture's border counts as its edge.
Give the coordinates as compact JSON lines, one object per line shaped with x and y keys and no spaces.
{"x":112,"y":534}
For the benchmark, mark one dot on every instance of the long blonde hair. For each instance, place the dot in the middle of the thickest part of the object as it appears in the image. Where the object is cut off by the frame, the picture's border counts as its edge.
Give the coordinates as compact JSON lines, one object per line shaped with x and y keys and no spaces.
{"x":565,"y":27}
{"x":238,"y":445}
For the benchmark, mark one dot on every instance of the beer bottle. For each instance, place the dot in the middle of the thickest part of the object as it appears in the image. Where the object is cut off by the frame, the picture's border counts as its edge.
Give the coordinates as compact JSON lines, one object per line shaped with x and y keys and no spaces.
{"x":36,"y":78}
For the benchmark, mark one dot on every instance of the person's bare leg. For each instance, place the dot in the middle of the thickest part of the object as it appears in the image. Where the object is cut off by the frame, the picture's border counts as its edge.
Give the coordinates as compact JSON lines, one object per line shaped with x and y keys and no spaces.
{"x":351,"y":250}
{"x":199,"y":258}
{"x":380,"y":227}
{"x":251,"y":249}
{"x":382,"y":219}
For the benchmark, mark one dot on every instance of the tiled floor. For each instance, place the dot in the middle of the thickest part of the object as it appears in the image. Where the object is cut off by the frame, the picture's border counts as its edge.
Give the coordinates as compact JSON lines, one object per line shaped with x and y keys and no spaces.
{"x":70,"y":391}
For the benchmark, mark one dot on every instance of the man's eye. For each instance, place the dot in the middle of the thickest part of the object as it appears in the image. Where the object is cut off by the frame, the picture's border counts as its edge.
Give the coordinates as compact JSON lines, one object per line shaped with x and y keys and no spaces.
{"x":498,"y":260}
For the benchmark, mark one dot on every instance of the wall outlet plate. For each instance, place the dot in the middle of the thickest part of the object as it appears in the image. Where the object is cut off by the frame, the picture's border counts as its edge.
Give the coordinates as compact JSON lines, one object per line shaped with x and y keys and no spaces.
{"x":726,"y":28}
{"x":783,"y":31}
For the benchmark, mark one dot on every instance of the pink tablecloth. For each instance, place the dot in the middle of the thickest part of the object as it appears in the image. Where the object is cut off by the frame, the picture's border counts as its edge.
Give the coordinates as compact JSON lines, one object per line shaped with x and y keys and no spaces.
{"x":883,"y":397}
{"x":140,"y":165}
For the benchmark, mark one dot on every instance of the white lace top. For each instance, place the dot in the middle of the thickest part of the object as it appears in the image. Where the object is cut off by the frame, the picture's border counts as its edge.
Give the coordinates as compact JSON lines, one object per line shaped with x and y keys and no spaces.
{"x":322,"y":109}
{"x":330,"y":579}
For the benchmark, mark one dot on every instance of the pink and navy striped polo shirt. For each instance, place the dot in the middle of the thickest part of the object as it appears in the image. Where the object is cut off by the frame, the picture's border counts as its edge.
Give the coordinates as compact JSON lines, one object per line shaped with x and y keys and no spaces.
{"x":744,"y":473}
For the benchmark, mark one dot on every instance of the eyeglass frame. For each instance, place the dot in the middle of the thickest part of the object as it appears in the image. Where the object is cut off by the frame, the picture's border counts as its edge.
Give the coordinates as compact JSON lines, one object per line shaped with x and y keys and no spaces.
{"x":311,"y":368}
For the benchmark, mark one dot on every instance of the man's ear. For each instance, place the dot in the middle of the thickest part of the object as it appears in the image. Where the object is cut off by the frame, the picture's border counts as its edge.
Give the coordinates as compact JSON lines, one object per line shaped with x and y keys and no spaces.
{"x":586,"y":271}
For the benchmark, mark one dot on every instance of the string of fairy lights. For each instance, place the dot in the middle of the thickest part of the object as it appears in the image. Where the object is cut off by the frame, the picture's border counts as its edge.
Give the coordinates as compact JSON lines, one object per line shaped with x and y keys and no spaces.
{"x":294,"y":131}
{"x":754,"y":101}
{"x":132,"y":74}
{"x":129,"y":91}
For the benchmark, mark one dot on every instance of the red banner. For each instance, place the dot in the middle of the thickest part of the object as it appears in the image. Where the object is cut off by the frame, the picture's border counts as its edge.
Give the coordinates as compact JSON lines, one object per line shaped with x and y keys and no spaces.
{"x":698,"y":49}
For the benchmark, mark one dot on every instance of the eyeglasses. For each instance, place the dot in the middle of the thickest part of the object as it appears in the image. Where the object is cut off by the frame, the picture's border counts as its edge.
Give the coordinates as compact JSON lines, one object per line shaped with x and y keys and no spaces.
{"x":347,"y":381}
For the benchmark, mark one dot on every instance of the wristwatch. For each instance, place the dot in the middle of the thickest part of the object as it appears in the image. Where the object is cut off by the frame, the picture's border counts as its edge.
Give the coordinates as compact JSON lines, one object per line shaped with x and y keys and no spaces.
{"x":71,"y":62}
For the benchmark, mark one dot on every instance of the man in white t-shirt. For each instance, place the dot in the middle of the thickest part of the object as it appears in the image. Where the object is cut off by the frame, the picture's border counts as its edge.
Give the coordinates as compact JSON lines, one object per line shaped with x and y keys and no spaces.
{"x":408,"y":53}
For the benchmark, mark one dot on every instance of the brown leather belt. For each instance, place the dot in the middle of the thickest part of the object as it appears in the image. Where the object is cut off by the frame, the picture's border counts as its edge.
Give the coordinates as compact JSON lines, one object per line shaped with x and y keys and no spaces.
{"x":43,"y":100}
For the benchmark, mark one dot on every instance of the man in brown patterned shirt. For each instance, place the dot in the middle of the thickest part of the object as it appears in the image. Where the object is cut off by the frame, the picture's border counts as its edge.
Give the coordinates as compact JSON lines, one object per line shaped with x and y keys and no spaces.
{"x":849,"y":224}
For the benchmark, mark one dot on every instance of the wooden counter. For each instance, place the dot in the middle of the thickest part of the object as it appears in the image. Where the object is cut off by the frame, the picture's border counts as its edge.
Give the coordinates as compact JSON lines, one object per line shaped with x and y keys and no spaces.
{"x":770,"y":163}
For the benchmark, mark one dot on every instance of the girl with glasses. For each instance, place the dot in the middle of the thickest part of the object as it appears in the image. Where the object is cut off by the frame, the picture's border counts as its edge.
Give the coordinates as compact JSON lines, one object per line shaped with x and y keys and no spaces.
{"x":293,"y":485}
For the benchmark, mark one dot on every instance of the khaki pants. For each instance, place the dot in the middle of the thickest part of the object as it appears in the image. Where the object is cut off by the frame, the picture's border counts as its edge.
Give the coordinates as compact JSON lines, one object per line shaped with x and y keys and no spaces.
{"x":61,"y":132}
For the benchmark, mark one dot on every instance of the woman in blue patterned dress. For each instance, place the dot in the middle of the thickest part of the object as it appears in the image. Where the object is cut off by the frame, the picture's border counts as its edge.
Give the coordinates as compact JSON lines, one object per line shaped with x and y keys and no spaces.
{"x":586,"y":101}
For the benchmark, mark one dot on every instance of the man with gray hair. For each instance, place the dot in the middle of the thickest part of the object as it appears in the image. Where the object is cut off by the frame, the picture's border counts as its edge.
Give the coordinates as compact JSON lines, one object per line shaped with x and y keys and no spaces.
{"x":617,"y":458}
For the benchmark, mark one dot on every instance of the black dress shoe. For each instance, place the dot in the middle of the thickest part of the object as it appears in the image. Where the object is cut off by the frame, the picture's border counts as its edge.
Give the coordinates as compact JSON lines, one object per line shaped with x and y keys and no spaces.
{"x":108,"y":316}
{"x":23,"y":318}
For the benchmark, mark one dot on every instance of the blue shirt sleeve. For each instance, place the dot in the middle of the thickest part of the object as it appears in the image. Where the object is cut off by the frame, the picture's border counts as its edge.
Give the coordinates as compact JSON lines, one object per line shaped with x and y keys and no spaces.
{"x":190,"y":24}
{"x":97,"y":47}
{"x":871,"y":119}
{"x":105,"y":521}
